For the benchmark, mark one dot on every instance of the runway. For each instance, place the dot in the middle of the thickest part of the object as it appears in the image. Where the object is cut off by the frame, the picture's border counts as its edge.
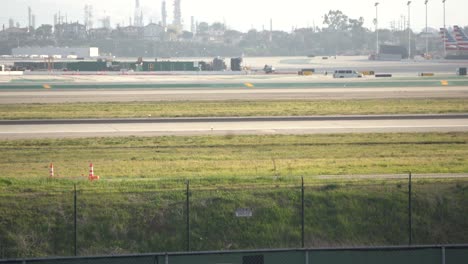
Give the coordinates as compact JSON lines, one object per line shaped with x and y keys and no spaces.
{"x":205,"y":94}
{"x":233,"y":126}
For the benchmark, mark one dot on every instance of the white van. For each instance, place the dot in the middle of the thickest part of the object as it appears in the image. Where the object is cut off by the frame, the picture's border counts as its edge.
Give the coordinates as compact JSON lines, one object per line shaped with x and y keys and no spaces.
{"x":346,"y":74}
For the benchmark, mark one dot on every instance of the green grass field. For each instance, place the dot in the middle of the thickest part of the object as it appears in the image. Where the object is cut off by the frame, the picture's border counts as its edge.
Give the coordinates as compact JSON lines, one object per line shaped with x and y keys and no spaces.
{"x":232,"y":108}
{"x":237,"y":156}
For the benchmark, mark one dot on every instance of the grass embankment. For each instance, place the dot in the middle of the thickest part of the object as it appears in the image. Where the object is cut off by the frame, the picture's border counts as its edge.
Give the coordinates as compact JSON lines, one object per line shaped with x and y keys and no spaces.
{"x":126,"y":222}
{"x":128,"y":211}
{"x":232,"y":108}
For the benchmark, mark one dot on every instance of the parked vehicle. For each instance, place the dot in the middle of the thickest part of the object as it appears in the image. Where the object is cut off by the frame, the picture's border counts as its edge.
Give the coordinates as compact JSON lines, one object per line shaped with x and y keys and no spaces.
{"x":269,"y":69}
{"x":346,"y":74}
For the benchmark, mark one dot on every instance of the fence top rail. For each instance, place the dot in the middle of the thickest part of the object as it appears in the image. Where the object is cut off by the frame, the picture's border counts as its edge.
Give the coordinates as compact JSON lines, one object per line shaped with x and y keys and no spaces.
{"x":199,"y":253}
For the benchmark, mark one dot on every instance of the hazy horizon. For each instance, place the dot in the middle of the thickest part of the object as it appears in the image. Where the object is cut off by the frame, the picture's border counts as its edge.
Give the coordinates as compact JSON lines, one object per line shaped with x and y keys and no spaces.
{"x":242,"y":14}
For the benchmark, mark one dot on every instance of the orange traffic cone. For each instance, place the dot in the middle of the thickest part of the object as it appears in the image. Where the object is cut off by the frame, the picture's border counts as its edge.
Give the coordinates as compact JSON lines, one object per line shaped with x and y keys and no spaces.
{"x":51,"y":170}
{"x":91,"y":175}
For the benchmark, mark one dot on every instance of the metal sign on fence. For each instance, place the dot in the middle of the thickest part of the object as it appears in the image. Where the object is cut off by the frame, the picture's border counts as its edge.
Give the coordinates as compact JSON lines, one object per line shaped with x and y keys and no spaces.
{"x":244,"y":212}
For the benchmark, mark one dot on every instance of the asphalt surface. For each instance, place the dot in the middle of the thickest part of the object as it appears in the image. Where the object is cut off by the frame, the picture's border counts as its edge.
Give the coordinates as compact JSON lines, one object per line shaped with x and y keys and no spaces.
{"x":231,"y":119}
{"x":200,"y":94}
{"x":233,"y":126}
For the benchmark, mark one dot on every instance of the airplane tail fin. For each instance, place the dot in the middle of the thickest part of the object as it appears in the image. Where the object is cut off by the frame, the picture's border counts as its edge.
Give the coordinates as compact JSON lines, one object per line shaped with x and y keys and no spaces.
{"x":461,"y":38}
{"x":449,"y":41}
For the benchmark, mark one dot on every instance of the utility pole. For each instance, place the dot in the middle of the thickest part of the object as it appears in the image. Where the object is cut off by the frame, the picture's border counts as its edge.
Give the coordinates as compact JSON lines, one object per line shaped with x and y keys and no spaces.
{"x":409,"y":30}
{"x":377,"y":26}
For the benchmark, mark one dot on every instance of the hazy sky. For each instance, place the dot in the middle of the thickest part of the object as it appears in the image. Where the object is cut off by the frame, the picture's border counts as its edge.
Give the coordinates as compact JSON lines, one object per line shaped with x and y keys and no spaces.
{"x":243,"y":14}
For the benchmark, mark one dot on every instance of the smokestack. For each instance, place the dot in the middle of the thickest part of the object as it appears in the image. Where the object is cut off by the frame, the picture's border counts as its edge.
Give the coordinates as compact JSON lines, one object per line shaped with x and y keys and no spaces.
{"x":138,"y":17}
{"x":11,"y":23}
{"x":29,"y":17}
{"x":271,"y":29}
{"x":192,"y":25}
{"x":164,"y":14}
{"x":177,"y":14}
{"x":90,"y":13}
{"x":34,"y":21}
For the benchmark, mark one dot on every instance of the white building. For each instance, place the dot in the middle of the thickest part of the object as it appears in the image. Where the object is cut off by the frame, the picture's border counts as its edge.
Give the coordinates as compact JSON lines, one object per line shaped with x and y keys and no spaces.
{"x":80,"y":52}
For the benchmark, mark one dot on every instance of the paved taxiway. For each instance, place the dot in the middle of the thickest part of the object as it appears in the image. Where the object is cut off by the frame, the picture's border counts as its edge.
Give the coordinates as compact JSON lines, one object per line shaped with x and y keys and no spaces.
{"x":233,"y":126}
{"x":198,"y":94}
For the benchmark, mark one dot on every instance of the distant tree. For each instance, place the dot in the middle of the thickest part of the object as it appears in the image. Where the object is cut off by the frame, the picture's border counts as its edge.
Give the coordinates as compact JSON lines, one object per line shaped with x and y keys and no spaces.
{"x":218,"y":26}
{"x":187,"y":35}
{"x":358,"y":32}
{"x":336,"y":20}
{"x":203,"y":28}
{"x":44,"y":32}
{"x":230,"y":35}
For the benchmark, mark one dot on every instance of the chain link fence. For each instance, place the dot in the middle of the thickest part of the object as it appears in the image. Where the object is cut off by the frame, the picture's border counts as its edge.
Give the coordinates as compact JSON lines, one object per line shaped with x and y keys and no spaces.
{"x":456,"y":254}
{"x":203,"y":215}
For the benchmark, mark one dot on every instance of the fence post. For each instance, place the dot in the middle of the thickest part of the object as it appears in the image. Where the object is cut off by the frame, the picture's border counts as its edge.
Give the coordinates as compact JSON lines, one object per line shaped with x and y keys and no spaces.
{"x":410,"y":211}
{"x":188,"y":214}
{"x":302,"y":212}
{"x":74,"y":219}
{"x":443,"y":255}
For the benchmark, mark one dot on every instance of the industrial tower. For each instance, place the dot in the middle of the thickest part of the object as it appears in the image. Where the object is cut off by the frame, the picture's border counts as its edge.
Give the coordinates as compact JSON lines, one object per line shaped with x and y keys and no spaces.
{"x":164,"y":14}
{"x":88,"y":17}
{"x":29,"y":18}
{"x":138,"y":18}
{"x":177,"y":14}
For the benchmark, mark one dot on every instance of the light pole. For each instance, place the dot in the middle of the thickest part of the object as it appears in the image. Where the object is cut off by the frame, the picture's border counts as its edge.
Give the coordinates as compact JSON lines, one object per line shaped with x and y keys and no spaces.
{"x":377,"y":26}
{"x":445,"y":46}
{"x":409,"y":30}
{"x":427,"y":35}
